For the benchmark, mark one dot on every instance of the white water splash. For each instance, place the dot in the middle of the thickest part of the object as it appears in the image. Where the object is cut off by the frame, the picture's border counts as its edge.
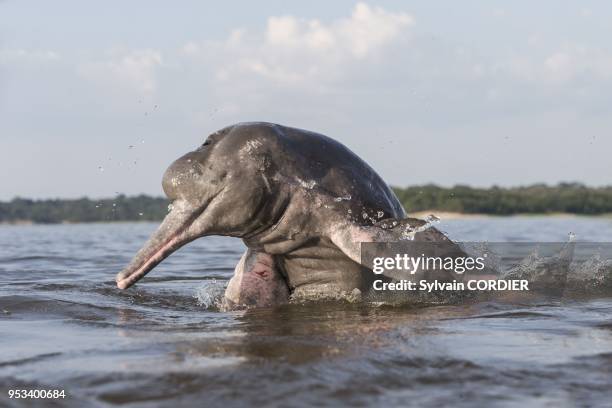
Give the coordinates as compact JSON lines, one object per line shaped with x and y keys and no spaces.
{"x":346,"y":197}
{"x":308,"y":184}
{"x":210,"y":293}
{"x":410,"y":231}
{"x":432,"y":219}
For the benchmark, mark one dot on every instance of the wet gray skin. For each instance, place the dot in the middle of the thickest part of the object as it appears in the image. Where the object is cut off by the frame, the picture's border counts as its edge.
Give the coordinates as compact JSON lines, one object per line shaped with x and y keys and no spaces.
{"x":300,"y":201}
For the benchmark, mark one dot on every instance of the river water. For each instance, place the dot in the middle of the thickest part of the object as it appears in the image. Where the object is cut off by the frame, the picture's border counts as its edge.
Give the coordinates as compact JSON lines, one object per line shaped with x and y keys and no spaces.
{"x":64,"y":325}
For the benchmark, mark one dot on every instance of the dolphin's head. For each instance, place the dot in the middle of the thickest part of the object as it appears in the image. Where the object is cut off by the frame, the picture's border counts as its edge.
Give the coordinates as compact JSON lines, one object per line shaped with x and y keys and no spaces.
{"x":222,"y":188}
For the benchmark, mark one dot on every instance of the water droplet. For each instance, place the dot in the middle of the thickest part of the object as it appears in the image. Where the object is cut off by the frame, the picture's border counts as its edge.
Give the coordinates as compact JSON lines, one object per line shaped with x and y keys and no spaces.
{"x":380,"y":214}
{"x":100,"y":168}
{"x":345,"y":197}
{"x":432,"y":219}
{"x":141,"y":214}
{"x":364,"y":215}
{"x":142,"y":141}
{"x":350,"y":211}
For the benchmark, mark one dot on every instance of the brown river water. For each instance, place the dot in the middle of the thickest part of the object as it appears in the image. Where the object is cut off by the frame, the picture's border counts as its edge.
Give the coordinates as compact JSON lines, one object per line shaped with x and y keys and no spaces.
{"x":64,"y":325}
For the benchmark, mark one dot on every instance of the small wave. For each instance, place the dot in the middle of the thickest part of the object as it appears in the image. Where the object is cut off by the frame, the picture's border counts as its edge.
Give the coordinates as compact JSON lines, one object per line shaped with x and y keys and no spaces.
{"x":55,"y":259}
{"x":53,"y":287}
{"x":29,"y":360}
{"x":505,"y":315}
{"x":18,"y":305}
{"x":605,"y":325}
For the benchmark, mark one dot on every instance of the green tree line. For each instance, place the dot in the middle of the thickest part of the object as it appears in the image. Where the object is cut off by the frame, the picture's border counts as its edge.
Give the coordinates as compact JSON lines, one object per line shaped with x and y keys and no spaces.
{"x":120,"y":208}
{"x":536,"y":199}
{"x":570,"y":198}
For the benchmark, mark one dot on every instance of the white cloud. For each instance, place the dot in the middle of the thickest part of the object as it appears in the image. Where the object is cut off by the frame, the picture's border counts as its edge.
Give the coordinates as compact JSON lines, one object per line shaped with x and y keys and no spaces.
{"x":333,"y":69}
{"x":562,"y":66}
{"x":367,"y":29}
{"x":292,"y":50}
{"x":500,"y":12}
{"x":37,"y":56}
{"x":190,"y":49}
{"x":135,"y":70}
{"x":559,"y":66}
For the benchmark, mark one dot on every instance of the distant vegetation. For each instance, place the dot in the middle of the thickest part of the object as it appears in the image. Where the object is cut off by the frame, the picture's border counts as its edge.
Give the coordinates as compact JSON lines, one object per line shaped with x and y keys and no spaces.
{"x":537,"y":199}
{"x":120,"y":208}
{"x":570,"y":198}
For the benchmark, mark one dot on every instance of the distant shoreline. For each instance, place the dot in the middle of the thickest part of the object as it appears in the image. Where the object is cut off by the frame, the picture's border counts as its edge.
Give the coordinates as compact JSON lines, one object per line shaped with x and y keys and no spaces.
{"x":562,"y":200}
{"x":442,"y":215}
{"x":447,"y":215}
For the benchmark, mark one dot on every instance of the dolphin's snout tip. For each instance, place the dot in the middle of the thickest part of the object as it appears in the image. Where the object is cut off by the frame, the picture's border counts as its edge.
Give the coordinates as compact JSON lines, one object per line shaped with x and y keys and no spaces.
{"x":122,"y":282}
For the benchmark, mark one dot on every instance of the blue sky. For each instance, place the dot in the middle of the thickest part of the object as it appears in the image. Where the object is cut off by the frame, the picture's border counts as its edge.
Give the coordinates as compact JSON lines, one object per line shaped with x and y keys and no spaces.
{"x":98,"y":98}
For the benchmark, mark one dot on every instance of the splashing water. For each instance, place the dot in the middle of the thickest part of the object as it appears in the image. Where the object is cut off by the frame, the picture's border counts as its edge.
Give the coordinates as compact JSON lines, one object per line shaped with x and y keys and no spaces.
{"x":432,"y":219}
{"x":346,"y":197}
{"x":307,"y":184}
{"x":410,"y":231}
{"x":593,"y":276}
{"x":210,"y":293}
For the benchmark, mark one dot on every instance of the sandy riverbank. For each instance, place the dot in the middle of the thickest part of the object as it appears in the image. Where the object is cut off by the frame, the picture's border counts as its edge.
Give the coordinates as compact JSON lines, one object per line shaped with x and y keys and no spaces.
{"x":448,"y":215}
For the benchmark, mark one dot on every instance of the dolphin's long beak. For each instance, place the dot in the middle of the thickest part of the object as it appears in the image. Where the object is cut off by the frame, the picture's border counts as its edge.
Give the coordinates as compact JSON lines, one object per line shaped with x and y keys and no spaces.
{"x":173,"y":233}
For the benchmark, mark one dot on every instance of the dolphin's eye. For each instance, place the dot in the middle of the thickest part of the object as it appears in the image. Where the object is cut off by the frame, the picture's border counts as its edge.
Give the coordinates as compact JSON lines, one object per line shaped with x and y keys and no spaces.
{"x":206,"y":143}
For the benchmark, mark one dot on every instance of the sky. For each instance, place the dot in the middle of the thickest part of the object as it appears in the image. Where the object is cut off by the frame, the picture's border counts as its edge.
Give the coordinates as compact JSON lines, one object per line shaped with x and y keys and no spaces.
{"x":98,"y":98}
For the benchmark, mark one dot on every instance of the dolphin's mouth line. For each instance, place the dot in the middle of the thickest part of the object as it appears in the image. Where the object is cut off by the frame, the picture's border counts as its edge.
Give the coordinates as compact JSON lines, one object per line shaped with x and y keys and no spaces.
{"x":156,"y":258}
{"x":175,"y":241}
